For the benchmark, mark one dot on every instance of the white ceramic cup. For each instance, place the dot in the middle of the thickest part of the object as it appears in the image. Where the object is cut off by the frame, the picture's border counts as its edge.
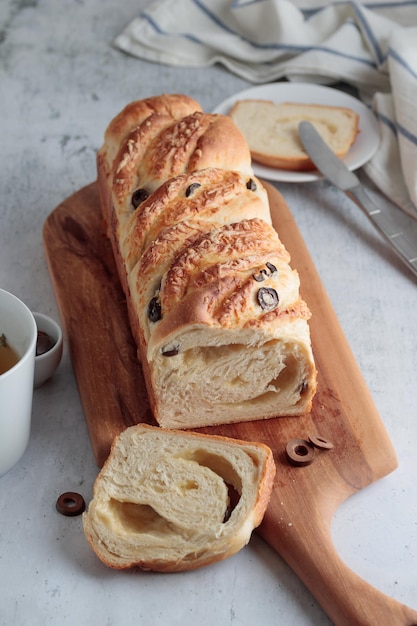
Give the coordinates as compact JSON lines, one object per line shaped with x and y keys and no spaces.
{"x":16,"y":384}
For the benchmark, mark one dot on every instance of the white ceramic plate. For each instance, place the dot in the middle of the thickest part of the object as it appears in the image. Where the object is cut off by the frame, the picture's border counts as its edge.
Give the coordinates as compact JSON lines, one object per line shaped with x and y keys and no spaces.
{"x":363,"y":149}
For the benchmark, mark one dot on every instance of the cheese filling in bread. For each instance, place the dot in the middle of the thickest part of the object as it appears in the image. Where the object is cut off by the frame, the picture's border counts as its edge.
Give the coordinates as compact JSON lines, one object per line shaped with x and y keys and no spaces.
{"x":214,"y":306}
{"x":171,"y":501}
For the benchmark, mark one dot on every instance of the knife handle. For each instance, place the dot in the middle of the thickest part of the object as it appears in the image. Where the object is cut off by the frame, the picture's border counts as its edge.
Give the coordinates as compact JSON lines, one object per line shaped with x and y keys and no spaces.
{"x":398,"y":230}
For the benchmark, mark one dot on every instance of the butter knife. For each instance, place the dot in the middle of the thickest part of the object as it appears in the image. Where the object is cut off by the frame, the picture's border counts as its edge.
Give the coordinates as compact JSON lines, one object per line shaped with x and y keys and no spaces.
{"x":395,"y":226}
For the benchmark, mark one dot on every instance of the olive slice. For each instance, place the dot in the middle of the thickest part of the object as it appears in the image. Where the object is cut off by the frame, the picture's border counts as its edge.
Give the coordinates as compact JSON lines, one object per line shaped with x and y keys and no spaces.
{"x":139,"y":196}
{"x":320,"y":442}
{"x":190,"y":190}
{"x":171,"y":352}
{"x":234,"y":497}
{"x":251,"y":185}
{"x":70,"y":504}
{"x":154,"y":310}
{"x":303,"y":387}
{"x":268,"y":298}
{"x":260,"y":277}
{"x":300,"y":452}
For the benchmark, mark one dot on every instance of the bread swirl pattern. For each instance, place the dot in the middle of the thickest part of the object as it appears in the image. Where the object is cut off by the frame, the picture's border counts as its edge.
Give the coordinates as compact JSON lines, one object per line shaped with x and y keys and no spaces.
{"x":214,"y":305}
{"x":171,"y":501}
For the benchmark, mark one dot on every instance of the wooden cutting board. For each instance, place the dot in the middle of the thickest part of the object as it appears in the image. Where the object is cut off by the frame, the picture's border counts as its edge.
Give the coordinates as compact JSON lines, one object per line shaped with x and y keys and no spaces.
{"x":304,"y":500}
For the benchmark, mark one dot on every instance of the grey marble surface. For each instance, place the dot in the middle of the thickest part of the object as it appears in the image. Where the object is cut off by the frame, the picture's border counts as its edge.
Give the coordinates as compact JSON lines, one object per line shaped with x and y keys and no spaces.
{"x":60,"y":83}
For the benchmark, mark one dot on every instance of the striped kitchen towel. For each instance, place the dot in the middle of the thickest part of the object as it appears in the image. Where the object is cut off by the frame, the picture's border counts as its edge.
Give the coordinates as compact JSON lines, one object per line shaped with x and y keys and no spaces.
{"x":371,"y":46}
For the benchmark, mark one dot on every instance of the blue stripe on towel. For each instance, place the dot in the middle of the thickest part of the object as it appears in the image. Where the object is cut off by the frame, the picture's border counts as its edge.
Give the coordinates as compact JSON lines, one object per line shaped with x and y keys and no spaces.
{"x":397,"y":128}
{"x":394,"y":55}
{"x":293,"y":49}
{"x":406,"y":133}
{"x":152,"y":22}
{"x":387,"y":121}
{"x":369,"y":32}
{"x":161,"y":31}
{"x":213,"y":17}
{"x":367,"y":5}
{"x":399,"y":59}
{"x":389,"y":5}
{"x":237,"y":4}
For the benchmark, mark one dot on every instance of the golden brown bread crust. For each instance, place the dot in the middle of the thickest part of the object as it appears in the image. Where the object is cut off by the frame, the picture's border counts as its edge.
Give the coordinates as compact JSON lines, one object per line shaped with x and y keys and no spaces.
{"x":156,"y":139}
{"x":135,"y":113}
{"x":216,"y":272}
{"x":293,"y":164}
{"x":213,"y":195}
{"x":161,"y":146}
{"x":206,"y":277}
{"x":168,"y":107}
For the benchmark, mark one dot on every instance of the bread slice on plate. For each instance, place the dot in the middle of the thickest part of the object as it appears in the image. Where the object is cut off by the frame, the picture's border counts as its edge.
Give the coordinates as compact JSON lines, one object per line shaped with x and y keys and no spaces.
{"x":271,"y":130}
{"x":170,"y":501}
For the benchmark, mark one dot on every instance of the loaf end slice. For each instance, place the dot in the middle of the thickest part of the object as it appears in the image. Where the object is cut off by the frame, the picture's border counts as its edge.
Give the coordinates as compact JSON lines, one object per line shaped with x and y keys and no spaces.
{"x":271,"y":130}
{"x":171,"y":501}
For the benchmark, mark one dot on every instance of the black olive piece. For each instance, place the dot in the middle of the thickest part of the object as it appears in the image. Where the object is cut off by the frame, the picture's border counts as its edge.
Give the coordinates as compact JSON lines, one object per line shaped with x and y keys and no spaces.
{"x":320,"y":442}
{"x":139,"y":196}
{"x":299,"y":452}
{"x":271,"y":267}
{"x":260,"y":277}
{"x":234,"y":497}
{"x":172,"y":352}
{"x":190,"y":190}
{"x":70,"y":504}
{"x":154,"y":310}
{"x":251,"y":185}
{"x":268,"y":298}
{"x":303,"y":387}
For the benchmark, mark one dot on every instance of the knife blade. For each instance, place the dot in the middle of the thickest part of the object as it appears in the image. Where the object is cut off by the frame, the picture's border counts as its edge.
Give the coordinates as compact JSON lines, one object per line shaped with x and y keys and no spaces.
{"x":396,"y":227}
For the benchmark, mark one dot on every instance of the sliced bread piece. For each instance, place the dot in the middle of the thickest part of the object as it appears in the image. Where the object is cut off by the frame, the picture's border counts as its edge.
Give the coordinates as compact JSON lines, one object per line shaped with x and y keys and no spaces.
{"x":172,"y":500}
{"x":271,"y":130}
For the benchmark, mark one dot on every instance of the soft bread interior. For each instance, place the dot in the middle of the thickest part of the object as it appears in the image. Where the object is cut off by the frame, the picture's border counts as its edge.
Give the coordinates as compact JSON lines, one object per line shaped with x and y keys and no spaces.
{"x":267,"y":380}
{"x":271,"y":130}
{"x":168,"y":500}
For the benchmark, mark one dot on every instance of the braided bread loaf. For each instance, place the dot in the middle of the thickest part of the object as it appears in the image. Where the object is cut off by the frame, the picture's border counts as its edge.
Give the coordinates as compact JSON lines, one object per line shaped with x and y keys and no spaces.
{"x":214,"y":306}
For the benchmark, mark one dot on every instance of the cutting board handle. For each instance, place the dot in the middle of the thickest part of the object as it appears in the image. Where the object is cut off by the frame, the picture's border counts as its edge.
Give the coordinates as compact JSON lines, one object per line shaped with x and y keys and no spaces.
{"x":346,"y":598}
